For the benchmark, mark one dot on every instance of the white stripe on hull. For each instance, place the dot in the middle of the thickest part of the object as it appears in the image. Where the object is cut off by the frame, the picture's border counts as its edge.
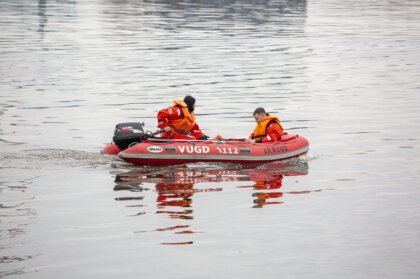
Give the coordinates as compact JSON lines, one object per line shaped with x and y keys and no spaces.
{"x":213,"y":157}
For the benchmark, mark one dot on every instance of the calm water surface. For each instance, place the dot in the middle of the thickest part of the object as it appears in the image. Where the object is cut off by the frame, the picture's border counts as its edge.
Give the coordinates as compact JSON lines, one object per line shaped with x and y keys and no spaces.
{"x":345,"y":74}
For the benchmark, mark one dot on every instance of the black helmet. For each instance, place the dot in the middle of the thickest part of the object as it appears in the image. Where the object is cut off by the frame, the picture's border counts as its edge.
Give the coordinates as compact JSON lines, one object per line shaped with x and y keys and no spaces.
{"x":190,"y":101}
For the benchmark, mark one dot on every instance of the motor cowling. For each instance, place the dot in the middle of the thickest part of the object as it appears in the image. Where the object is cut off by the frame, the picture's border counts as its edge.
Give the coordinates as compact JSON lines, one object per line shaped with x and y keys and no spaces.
{"x":128,"y":134}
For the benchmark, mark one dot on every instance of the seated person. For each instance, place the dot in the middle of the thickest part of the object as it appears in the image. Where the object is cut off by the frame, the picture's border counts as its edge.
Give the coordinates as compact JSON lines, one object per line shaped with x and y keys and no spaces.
{"x":178,"y":121}
{"x":268,"y":127}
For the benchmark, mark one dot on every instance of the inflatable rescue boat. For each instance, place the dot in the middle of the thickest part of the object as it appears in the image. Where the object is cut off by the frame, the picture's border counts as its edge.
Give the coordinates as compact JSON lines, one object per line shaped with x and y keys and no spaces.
{"x":157,"y":151}
{"x":134,"y":145}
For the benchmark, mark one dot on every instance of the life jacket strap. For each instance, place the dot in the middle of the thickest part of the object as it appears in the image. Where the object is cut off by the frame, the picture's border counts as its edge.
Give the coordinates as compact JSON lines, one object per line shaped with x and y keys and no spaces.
{"x":179,"y":131}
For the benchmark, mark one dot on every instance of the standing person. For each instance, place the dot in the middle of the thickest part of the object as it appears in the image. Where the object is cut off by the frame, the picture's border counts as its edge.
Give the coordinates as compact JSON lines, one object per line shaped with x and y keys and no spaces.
{"x":178,"y":121}
{"x":268,"y":127}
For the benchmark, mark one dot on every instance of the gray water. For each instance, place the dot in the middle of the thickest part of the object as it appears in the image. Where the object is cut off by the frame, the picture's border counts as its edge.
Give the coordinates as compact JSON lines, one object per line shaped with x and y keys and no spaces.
{"x":344,"y":74}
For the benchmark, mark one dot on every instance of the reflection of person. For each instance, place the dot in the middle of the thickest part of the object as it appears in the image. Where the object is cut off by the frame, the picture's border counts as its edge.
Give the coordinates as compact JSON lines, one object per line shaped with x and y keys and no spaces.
{"x":269,"y":183}
{"x":174,"y":194}
{"x":268,"y":127}
{"x":177,"y":195}
{"x":275,"y":182}
{"x":178,"y":121}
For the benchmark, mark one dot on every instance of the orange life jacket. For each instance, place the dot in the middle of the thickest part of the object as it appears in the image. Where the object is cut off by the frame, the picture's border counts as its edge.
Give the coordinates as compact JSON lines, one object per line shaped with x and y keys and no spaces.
{"x":260,"y":130}
{"x":185,"y":124}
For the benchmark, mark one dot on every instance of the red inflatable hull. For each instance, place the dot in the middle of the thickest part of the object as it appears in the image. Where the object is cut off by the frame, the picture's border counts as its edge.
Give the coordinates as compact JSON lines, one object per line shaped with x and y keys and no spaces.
{"x":170,"y":152}
{"x":111,"y":149}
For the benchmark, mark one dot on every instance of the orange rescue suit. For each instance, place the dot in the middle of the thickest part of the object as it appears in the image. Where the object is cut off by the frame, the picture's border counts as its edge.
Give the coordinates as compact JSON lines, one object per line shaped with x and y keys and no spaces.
{"x":269,"y":130}
{"x":180,"y":120}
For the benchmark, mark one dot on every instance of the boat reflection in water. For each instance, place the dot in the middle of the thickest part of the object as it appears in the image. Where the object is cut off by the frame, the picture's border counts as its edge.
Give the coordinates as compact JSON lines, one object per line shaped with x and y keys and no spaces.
{"x":176,"y":187}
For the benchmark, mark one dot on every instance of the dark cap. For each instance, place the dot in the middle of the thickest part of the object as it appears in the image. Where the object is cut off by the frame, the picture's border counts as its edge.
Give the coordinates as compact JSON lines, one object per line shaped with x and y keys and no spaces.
{"x":190,"y":101}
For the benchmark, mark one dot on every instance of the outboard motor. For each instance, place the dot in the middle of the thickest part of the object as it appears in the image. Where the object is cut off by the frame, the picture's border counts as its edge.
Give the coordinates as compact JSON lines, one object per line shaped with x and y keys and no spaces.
{"x":128,"y":134}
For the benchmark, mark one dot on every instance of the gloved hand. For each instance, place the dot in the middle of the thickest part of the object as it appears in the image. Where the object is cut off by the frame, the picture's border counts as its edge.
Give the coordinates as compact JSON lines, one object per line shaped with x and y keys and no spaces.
{"x":218,"y":137}
{"x":204,"y":137}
